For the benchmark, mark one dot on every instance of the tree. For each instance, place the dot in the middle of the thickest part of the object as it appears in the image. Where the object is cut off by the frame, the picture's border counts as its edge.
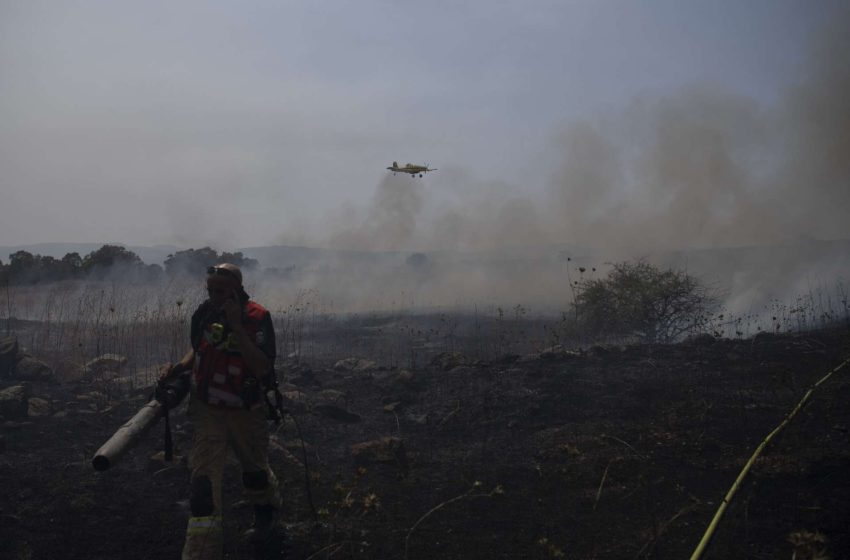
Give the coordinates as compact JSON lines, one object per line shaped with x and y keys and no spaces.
{"x":191,"y":261}
{"x":109,"y":258}
{"x":239,"y":260}
{"x":21,"y":261}
{"x":49,"y":269}
{"x":110,"y":255}
{"x":22,"y":267}
{"x":639,"y":299}
{"x":73,"y":261}
{"x":196,"y":261}
{"x":70,"y":265}
{"x":151,"y":273}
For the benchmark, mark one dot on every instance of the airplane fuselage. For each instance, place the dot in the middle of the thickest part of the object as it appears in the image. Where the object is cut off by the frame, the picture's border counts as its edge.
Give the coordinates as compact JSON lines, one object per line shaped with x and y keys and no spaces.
{"x":409,"y":168}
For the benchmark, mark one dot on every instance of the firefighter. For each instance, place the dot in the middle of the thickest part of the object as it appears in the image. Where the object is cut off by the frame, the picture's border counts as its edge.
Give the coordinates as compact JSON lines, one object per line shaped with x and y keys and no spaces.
{"x":232,"y":364}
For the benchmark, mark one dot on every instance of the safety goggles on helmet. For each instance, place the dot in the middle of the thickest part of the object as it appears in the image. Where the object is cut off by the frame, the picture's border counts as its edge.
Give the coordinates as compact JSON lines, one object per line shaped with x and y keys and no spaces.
{"x":221,"y":271}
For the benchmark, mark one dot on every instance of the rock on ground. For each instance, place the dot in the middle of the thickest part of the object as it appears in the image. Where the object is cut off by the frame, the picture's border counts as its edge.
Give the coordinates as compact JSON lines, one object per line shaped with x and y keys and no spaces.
{"x":384,"y":450}
{"x":354,"y":364}
{"x":450,"y":360}
{"x":14,"y":401}
{"x":32,"y":369}
{"x":106,"y":362}
{"x":38,"y":407}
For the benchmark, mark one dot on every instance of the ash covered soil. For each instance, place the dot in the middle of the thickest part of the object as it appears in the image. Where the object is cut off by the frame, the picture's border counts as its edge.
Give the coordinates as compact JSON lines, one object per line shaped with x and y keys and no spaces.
{"x":614,"y":452}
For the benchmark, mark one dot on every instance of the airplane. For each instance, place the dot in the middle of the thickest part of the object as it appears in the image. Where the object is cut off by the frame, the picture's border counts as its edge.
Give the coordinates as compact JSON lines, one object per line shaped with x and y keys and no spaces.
{"x":410,"y":168}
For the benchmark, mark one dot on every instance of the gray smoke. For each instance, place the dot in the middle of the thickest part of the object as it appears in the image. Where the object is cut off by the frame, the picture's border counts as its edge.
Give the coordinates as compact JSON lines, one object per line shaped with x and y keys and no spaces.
{"x":390,"y":221}
{"x":673,"y":173}
{"x":704,"y":168}
{"x":664,"y":178}
{"x":814,"y":182}
{"x":699,"y":168}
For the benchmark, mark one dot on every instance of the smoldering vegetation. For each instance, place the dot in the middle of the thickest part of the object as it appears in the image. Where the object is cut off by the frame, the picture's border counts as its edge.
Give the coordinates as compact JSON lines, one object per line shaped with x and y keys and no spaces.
{"x":748,"y":198}
{"x":747,"y":280}
{"x":393,"y":307}
{"x":434,"y":434}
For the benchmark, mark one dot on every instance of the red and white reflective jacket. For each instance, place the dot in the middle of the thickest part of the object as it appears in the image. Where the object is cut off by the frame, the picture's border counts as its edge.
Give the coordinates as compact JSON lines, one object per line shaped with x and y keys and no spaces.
{"x":219,"y":374}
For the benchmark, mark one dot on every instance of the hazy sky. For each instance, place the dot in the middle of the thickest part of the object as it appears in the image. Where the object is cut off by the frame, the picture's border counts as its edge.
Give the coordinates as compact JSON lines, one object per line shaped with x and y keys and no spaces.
{"x":255,"y":123}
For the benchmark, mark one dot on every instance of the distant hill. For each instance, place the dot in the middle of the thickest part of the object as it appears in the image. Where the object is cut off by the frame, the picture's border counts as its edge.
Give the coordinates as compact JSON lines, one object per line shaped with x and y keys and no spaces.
{"x":768,"y":256}
{"x":282,"y":256}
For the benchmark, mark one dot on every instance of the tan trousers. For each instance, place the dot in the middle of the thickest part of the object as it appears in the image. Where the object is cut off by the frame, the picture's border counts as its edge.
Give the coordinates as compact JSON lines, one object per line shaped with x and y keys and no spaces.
{"x":246,"y":432}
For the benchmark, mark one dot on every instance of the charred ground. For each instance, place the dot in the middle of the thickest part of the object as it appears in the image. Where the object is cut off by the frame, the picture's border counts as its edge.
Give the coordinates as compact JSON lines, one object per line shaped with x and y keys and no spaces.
{"x":611,"y":452}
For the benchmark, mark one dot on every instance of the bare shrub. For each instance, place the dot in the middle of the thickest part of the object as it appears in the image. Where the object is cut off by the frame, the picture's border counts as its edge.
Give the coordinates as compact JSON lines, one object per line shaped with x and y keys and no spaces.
{"x":637,"y":299}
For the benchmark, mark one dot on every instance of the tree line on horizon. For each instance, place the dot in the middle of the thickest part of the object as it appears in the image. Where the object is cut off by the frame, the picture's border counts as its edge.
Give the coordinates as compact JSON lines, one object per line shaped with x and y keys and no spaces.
{"x":112,"y":262}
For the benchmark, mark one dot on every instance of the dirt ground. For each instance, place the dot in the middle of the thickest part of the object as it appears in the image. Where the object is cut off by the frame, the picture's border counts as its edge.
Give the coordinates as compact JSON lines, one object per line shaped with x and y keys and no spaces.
{"x":612,"y":452}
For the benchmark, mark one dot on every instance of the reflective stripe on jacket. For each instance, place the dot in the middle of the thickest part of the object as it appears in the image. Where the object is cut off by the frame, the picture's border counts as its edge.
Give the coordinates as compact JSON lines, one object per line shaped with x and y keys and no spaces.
{"x":200,"y":525}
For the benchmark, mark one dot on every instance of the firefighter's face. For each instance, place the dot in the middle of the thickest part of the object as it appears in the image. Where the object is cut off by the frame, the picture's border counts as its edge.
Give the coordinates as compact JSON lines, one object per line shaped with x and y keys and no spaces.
{"x":221,"y":288}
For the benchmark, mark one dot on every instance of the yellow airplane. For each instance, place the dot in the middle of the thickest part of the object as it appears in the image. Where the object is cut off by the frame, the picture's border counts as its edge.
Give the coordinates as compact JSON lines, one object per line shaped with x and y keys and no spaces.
{"x":410,"y":168}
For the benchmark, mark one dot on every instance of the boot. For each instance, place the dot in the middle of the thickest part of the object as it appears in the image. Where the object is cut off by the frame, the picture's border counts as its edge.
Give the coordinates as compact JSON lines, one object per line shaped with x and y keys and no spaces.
{"x":265,"y":524}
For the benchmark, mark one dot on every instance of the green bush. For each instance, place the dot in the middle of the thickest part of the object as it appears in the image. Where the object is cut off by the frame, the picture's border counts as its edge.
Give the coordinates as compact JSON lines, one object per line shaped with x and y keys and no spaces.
{"x":637,"y":299}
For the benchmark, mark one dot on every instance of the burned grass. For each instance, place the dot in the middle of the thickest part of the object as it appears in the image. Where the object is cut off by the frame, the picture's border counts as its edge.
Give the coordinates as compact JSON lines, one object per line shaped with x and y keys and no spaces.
{"x":614,"y":452}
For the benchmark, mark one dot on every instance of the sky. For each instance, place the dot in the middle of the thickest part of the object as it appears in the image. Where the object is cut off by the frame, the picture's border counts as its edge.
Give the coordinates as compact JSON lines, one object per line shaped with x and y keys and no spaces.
{"x":588,"y":122}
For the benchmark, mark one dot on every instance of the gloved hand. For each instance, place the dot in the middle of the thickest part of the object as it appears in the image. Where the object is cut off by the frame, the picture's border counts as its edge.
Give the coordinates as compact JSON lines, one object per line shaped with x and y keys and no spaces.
{"x":168,"y":373}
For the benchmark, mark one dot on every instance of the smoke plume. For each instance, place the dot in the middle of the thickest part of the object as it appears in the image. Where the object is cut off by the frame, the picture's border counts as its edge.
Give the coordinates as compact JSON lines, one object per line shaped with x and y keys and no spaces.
{"x":665,"y":177}
{"x":697,"y":168}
